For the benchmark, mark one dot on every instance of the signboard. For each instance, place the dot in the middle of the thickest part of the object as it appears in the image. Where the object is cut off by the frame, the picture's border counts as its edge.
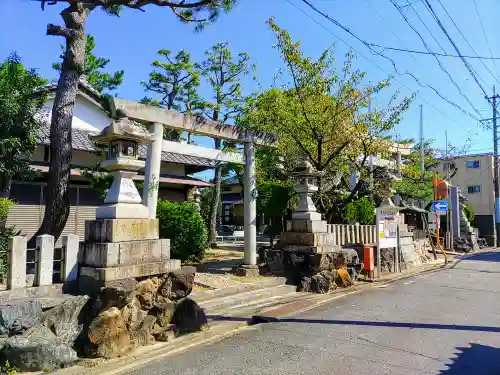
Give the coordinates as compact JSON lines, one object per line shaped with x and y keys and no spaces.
{"x":387,"y":227}
{"x":227,"y":209}
{"x":432,"y":221}
{"x":440,"y":206}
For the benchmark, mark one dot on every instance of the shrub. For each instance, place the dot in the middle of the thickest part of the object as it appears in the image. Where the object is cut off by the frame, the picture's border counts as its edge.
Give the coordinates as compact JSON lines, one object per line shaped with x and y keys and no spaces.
{"x":5,"y":205}
{"x":361,"y":210}
{"x":183,"y":225}
{"x":469,"y":214}
{"x":4,"y":247}
{"x":5,"y":233}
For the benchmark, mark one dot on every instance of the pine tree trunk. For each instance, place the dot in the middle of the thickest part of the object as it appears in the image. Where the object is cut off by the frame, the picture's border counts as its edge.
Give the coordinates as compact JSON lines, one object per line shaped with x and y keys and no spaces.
{"x":57,"y":203}
{"x":214,"y":208}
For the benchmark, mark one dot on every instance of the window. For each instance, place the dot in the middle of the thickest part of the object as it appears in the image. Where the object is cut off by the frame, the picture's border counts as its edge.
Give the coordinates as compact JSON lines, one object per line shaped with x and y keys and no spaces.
{"x":473,"y":164}
{"x":449,"y":166}
{"x":474,"y":189}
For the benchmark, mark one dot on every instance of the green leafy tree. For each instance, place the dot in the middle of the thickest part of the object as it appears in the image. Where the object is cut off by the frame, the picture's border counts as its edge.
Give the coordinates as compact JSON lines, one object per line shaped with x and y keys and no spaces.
{"x":173,"y":80}
{"x":416,"y":186}
{"x":21,"y":102}
{"x":275,"y":203}
{"x":360,"y":211}
{"x":74,"y":16}
{"x":320,"y":113}
{"x":223,"y":72}
{"x":93,"y":69}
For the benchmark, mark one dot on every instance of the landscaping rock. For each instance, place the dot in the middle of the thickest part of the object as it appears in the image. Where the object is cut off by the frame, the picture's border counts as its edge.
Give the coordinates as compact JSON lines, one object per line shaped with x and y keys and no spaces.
{"x":18,"y":316}
{"x":342,"y":278}
{"x":145,"y":292}
{"x":164,"y":334}
{"x":143,"y":333}
{"x":36,"y":350}
{"x":304,"y":285}
{"x":109,"y":335}
{"x":164,"y":313}
{"x":133,"y":314}
{"x":118,"y":295}
{"x":63,"y":319}
{"x":323,"y":282}
{"x":188,"y":317}
{"x":178,"y":284}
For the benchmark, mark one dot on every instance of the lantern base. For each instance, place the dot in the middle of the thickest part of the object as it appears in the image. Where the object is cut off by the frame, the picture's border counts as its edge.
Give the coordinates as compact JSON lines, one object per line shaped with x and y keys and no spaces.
{"x":307,"y":215}
{"x":122,"y":211}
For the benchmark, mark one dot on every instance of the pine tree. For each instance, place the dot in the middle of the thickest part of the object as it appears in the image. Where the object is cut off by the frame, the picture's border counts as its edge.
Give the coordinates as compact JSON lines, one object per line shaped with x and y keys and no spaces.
{"x":93,"y":69}
{"x":223,"y":72}
{"x":74,"y":16}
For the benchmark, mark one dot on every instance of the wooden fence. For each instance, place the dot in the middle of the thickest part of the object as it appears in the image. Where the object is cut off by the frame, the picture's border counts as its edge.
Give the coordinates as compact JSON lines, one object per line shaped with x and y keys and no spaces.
{"x":346,"y":234}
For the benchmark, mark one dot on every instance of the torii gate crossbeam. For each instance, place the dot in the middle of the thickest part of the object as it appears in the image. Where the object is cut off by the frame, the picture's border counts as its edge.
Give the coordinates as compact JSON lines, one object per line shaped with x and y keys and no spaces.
{"x":157,"y":118}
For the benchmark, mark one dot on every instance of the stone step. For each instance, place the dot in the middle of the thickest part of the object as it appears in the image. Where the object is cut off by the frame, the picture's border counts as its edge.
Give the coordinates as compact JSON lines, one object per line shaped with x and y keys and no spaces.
{"x":235,"y":289}
{"x":249,"y":309}
{"x":220,"y":304}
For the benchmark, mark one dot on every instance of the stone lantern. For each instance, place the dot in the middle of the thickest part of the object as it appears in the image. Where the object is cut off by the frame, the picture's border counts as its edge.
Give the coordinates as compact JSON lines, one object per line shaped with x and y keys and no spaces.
{"x":123,"y":200}
{"x":195,"y":195}
{"x":305,"y":176}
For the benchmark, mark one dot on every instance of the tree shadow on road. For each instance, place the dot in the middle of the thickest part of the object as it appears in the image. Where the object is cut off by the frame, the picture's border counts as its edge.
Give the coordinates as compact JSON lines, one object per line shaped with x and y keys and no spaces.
{"x":257,"y":319}
{"x":490,"y":256}
{"x":476,"y":359}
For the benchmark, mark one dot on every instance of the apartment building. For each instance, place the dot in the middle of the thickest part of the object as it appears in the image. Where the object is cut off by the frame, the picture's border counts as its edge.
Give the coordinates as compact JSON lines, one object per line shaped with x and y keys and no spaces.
{"x":473,"y":174}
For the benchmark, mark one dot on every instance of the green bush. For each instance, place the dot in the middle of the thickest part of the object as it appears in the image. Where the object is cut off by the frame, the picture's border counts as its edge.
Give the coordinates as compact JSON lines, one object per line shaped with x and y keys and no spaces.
{"x":183,"y":225}
{"x":361,"y":211}
{"x":4,"y":247}
{"x":469,"y":214}
{"x":5,"y":205}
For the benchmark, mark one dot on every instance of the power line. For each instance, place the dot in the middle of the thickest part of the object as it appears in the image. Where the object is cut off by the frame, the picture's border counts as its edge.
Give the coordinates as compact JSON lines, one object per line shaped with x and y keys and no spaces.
{"x":469,"y":68}
{"x":376,"y":65}
{"x":437,"y":59}
{"x":463,"y":36}
{"x":427,"y":28}
{"x":373,"y":52}
{"x":407,"y":50}
{"x":485,"y":35}
{"x":414,"y":77}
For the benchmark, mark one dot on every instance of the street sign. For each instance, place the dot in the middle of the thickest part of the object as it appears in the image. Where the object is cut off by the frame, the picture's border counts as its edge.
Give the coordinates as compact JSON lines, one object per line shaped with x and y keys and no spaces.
{"x":440,"y":206}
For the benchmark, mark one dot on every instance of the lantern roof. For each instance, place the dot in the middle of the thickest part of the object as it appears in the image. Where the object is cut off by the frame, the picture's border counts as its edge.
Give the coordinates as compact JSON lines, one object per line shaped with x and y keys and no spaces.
{"x":305,"y":169}
{"x":122,"y":129}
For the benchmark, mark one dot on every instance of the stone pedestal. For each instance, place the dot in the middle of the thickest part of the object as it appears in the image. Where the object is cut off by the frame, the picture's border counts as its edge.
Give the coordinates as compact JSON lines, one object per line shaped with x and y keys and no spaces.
{"x":119,"y":249}
{"x":306,"y":253}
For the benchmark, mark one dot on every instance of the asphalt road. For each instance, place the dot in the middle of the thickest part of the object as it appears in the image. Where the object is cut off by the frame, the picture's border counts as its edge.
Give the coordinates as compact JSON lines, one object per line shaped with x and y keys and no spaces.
{"x":447,"y":322}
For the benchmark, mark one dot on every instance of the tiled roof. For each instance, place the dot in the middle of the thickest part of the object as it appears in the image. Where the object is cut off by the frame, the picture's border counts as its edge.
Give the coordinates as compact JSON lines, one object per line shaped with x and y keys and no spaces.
{"x":80,"y":141}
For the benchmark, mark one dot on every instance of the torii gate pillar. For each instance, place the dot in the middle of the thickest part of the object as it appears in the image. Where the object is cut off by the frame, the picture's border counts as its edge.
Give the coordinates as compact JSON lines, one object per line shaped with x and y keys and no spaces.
{"x":250,"y":267}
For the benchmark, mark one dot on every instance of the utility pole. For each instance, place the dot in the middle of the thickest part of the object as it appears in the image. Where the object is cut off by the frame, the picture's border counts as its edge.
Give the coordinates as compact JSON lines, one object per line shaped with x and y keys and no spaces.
{"x":422,"y":164}
{"x":449,"y":227}
{"x":495,"y":165}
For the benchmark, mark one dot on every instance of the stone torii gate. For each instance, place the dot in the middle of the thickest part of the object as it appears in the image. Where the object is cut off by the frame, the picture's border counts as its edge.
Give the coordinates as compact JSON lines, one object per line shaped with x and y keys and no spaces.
{"x":156,"y":118}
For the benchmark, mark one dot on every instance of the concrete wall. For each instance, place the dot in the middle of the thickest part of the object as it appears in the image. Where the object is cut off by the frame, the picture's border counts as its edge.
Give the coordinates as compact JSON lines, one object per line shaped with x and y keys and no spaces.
{"x":86,"y":115}
{"x":482,"y":202}
{"x":486,"y":225}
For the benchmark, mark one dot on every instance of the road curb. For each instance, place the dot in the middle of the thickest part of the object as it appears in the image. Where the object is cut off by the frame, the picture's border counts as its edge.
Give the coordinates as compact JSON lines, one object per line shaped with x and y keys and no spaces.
{"x":158,"y":351}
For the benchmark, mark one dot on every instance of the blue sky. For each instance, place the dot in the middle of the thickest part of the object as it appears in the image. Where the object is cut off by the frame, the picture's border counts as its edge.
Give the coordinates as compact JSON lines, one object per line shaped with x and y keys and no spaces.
{"x":131,"y":42}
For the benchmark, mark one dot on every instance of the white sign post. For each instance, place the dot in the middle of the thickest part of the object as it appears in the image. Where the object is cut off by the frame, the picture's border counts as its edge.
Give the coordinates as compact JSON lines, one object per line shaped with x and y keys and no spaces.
{"x":387,"y":231}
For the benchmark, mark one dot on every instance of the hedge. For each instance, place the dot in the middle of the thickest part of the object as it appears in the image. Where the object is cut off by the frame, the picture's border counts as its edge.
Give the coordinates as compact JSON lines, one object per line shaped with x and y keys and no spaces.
{"x":183,"y":224}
